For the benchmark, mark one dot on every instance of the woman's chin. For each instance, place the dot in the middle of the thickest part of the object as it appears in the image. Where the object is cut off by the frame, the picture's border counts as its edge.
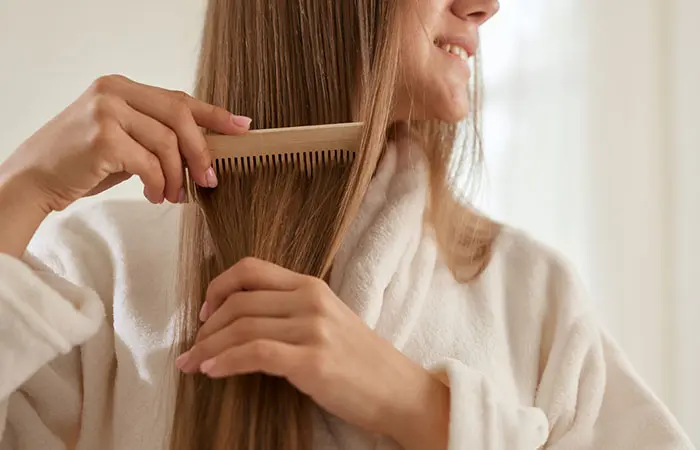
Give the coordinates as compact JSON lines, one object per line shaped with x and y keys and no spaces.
{"x":450,"y":105}
{"x":449,"y":112}
{"x":454,"y":114}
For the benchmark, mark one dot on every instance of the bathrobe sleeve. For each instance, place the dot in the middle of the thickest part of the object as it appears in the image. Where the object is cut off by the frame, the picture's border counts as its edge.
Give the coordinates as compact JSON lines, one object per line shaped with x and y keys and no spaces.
{"x":42,"y":316}
{"x":588,"y":396}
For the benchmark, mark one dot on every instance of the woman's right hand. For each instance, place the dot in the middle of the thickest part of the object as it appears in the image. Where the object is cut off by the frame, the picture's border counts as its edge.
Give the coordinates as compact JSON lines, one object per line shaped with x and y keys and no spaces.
{"x":116,"y":129}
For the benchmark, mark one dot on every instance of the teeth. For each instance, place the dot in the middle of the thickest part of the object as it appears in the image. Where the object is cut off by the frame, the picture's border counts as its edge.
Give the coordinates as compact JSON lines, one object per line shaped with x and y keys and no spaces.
{"x":456,"y":50}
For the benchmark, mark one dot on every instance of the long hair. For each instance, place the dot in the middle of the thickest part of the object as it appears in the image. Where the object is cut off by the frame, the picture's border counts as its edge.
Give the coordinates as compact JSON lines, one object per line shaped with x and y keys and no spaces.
{"x":294,"y":63}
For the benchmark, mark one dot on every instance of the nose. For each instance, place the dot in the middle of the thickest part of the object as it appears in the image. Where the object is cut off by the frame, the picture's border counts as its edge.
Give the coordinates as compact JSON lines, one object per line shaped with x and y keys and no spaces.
{"x":478,"y":11}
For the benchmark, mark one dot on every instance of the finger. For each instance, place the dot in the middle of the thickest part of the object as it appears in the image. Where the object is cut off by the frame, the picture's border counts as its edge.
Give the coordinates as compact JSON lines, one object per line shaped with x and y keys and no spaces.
{"x":136,"y":160}
{"x":180,"y":112}
{"x":247,"y":329}
{"x":162,"y":142}
{"x":215,"y":118}
{"x":277,"y":304}
{"x":266,"y":356}
{"x":250,"y":274}
{"x":209,"y":116}
{"x":176,"y":115}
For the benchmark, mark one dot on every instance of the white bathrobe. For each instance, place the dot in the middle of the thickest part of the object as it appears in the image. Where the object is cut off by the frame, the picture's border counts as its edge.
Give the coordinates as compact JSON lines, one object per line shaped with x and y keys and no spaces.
{"x":86,"y":327}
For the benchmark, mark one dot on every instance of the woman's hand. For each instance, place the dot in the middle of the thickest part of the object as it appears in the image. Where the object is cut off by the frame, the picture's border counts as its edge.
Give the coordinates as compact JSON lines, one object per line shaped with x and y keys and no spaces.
{"x":259,"y":317}
{"x":116,"y":129}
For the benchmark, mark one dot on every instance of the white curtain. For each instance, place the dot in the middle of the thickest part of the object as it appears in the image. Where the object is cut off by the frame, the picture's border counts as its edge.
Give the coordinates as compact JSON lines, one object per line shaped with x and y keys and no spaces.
{"x":592,"y":145}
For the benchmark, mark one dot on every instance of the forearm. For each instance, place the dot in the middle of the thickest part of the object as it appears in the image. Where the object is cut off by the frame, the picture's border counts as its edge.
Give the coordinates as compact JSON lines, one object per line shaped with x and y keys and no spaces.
{"x":20,"y":214}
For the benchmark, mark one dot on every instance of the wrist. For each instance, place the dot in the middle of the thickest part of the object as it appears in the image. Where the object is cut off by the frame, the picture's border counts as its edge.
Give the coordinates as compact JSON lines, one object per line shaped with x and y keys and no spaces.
{"x":420,"y":417}
{"x":22,"y":210}
{"x":18,"y":181}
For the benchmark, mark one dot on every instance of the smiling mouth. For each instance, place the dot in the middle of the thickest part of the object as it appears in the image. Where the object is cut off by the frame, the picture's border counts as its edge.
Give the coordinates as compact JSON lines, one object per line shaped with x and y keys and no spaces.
{"x":454,"y":50}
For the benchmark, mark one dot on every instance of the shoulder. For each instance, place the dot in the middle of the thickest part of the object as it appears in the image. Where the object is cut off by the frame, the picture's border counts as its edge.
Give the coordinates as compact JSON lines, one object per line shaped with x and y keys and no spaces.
{"x":520,"y":252}
{"x":532,"y":273}
{"x":105,"y":233}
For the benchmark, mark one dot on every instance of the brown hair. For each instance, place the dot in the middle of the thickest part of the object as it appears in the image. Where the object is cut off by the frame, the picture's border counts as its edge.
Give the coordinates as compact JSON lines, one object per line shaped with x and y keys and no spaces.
{"x":293,"y":63}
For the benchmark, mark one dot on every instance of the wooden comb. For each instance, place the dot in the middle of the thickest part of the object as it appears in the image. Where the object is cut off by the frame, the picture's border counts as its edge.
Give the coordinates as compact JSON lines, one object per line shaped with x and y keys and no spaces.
{"x":305,"y":148}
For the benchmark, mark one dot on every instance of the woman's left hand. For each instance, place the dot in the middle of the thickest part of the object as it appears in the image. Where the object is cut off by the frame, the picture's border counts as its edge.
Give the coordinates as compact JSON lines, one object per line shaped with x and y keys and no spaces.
{"x":259,"y":317}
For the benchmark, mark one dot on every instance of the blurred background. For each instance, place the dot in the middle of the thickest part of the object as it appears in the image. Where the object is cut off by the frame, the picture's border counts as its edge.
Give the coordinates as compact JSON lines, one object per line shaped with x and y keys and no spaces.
{"x":591,"y":135}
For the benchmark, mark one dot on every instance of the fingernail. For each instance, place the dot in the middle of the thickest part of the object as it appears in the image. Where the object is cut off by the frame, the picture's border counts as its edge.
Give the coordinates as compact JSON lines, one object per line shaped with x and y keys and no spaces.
{"x":241,"y":121}
{"x":181,"y":361}
{"x":212,"y":182}
{"x":204,"y":312}
{"x":182,"y":198}
{"x":207,"y":365}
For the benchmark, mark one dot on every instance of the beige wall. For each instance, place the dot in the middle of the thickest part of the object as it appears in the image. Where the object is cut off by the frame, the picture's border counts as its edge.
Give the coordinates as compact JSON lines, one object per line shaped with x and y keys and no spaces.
{"x":50,"y":51}
{"x":684,"y":166}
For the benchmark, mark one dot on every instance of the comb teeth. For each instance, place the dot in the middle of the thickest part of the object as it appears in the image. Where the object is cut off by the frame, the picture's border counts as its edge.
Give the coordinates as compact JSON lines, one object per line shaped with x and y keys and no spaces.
{"x":306,"y":162}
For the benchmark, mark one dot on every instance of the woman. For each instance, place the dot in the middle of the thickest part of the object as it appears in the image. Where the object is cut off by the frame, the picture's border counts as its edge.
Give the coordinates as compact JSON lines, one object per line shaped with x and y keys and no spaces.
{"x":439,"y":330}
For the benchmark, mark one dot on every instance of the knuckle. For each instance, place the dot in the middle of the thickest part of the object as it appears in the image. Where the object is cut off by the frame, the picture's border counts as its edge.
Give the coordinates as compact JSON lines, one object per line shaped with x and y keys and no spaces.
{"x":167,"y":141}
{"x":181,"y":114}
{"x":316,"y":290}
{"x":103,"y":107}
{"x":317,"y":285}
{"x":181,"y":96}
{"x":106,"y":83}
{"x":319,"y":330}
{"x":246,"y":266}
